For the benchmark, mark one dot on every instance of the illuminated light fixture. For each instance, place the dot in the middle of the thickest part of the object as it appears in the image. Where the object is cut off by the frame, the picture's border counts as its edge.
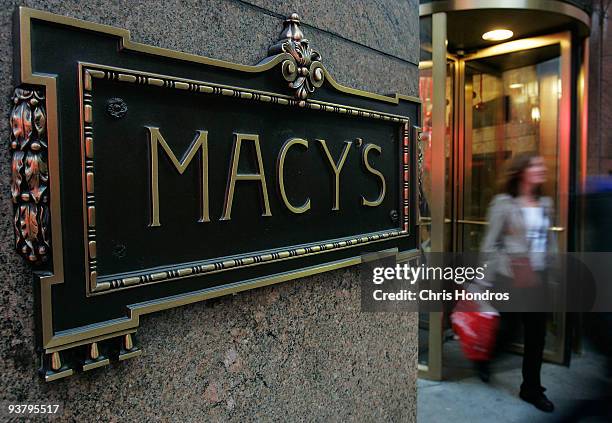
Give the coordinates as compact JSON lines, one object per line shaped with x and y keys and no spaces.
{"x":497,"y":35}
{"x":535,"y":114}
{"x":515,"y":85}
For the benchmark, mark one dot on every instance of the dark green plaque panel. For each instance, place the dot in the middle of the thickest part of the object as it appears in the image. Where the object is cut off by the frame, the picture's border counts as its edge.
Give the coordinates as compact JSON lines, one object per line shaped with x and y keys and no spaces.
{"x":144,"y":178}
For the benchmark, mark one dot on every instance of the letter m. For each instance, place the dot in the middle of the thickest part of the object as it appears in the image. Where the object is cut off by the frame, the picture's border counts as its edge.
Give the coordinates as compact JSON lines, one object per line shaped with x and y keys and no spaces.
{"x":200,"y":142}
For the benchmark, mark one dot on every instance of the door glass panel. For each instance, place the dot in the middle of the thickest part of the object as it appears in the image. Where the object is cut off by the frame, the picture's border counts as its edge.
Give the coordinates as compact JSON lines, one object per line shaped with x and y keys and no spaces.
{"x":509,"y":110}
{"x":424,"y":149}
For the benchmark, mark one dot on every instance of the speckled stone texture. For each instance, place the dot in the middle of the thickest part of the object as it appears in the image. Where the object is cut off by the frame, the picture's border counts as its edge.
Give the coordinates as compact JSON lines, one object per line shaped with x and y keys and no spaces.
{"x":389,"y":26}
{"x":301,"y":350}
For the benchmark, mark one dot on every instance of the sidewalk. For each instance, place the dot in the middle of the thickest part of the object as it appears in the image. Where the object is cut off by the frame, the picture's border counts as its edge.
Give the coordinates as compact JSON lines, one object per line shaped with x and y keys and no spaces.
{"x":462,"y":397}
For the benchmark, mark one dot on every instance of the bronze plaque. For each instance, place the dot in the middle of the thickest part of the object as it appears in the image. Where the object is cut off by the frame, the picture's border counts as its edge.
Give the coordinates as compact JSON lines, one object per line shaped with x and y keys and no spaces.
{"x":144,"y":178}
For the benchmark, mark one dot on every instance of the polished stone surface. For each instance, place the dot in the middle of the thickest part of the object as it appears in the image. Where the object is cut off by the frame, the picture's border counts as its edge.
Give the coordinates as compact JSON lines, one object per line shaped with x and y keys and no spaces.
{"x":390,"y":26}
{"x":301,"y":349}
{"x":352,"y":65}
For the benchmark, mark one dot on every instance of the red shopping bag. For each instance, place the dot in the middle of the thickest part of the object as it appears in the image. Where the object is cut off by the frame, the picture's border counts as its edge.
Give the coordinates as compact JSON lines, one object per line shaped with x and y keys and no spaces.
{"x":477,"y":331}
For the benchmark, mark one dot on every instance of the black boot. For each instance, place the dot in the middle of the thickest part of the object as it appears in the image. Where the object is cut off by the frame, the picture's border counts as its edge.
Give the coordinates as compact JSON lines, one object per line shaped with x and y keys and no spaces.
{"x":482,"y":370}
{"x":538,"y":399}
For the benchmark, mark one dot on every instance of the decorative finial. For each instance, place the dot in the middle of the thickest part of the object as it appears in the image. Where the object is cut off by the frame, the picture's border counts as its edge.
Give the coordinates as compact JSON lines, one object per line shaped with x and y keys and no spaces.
{"x":303,"y":70}
{"x":292,"y":28}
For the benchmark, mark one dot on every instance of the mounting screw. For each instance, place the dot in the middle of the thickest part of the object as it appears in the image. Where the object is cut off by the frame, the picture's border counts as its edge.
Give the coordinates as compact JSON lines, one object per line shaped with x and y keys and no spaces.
{"x":394,"y":215}
{"x":116,"y":107}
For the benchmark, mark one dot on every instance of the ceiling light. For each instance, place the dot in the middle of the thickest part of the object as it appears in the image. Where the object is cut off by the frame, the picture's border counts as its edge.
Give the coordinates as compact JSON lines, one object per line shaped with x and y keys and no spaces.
{"x":515,"y":86}
{"x":497,"y":35}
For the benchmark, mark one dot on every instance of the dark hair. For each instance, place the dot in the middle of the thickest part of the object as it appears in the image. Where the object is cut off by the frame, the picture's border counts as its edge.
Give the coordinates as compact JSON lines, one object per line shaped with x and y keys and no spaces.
{"x":513,"y":172}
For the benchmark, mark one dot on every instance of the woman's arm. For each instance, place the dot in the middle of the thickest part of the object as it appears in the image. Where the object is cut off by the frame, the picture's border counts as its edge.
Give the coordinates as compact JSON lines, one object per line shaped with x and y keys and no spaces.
{"x":496,"y":217}
{"x":493,"y":242}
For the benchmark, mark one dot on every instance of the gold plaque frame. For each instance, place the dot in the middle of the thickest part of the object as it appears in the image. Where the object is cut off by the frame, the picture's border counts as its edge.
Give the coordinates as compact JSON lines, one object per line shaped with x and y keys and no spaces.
{"x":54,"y":342}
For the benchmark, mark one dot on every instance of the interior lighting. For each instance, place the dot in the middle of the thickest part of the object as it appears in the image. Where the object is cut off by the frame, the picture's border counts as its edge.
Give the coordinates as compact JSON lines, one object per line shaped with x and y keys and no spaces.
{"x":497,"y":35}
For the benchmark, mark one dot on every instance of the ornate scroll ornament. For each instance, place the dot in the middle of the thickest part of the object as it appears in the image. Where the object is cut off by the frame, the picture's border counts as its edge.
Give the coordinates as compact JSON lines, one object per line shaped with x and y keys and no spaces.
{"x":30,"y":178}
{"x":304,"y":71}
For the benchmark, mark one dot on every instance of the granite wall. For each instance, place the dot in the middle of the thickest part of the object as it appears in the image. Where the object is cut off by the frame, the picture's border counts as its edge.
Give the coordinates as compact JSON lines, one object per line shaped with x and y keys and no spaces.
{"x":600,"y":87}
{"x":296,"y":351}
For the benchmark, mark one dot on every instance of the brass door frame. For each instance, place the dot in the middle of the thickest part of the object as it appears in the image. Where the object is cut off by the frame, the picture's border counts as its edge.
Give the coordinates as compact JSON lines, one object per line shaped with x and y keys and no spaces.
{"x":433,"y":369}
{"x":550,"y":6}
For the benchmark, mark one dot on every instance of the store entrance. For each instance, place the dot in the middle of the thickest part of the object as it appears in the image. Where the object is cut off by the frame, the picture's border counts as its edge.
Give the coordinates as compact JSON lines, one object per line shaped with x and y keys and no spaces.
{"x":499,"y":101}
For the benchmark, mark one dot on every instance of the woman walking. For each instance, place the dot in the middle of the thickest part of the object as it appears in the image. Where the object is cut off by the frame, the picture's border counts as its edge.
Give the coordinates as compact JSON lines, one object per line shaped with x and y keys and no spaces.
{"x":519,"y":218}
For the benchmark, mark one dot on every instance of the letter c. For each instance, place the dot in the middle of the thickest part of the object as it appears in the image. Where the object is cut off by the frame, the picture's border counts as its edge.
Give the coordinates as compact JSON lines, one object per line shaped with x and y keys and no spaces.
{"x":281,"y":175}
